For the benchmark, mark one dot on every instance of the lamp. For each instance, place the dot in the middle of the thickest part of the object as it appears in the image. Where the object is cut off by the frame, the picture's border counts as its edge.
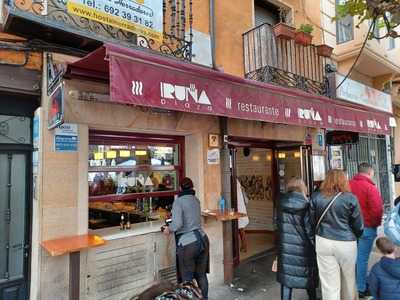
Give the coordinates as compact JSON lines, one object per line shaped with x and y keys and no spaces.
{"x":140,"y":152}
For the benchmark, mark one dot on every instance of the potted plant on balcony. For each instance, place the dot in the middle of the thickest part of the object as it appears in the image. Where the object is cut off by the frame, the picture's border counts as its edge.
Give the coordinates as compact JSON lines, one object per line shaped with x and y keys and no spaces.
{"x":324,"y":50}
{"x":303,"y":35}
{"x":283,"y":30}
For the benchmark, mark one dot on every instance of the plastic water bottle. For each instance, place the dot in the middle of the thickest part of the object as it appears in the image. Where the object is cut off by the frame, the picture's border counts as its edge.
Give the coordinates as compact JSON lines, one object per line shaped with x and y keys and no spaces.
{"x":222,"y":204}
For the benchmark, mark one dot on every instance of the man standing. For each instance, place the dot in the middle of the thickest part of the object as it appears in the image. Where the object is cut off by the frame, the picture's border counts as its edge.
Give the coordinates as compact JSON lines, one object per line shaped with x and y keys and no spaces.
{"x":371,"y":208}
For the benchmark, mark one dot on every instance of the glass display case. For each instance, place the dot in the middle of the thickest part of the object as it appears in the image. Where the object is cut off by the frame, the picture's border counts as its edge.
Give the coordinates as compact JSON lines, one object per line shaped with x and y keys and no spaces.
{"x":131,"y":176}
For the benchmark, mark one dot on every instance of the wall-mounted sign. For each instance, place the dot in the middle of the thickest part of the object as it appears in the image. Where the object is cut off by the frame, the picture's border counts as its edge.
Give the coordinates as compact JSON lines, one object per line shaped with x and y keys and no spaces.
{"x":359,"y":93}
{"x":56,"y":107}
{"x":341,"y":137}
{"x":213,"y":156}
{"x":143,"y":17}
{"x":318,"y":167}
{"x":336,"y":157}
{"x":396,"y":172}
{"x":213,"y":140}
{"x":66,"y":138}
{"x":36,"y":131}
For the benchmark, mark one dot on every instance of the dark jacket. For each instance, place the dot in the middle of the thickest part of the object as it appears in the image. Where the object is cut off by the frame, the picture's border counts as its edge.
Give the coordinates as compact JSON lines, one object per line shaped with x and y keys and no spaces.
{"x":370,"y":200}
{"x":342,"y":222}
{"x":297,"y":267}
{"x":384,"y":279}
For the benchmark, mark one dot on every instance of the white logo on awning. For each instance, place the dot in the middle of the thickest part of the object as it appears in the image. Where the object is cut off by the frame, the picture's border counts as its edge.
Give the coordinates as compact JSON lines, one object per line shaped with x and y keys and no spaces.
{"x":184,"y":93}
{"x":137,"y":88}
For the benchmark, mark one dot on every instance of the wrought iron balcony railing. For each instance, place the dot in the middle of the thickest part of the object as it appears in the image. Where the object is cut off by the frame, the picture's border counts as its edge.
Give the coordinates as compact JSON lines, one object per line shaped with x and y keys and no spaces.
{"x":283,"y":62}
{"x":53,"y":22}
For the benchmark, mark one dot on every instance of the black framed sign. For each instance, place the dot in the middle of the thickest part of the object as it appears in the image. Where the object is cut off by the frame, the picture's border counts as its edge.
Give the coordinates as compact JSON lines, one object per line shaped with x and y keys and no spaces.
{"x":341,"y":137}
{"x":396,"y":172}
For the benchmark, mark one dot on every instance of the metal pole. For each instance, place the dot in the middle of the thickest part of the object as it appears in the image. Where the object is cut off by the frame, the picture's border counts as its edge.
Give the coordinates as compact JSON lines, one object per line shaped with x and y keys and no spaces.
{"x":226,"y":193}
{"x":74,"y":275}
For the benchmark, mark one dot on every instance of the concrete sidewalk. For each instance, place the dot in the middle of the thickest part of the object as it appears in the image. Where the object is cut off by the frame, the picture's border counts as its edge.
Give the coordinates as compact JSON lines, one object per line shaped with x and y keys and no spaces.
{"x":255,"y":281}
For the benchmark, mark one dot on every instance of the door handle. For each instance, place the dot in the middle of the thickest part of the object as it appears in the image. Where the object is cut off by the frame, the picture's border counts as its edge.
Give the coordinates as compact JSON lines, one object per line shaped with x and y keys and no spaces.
{"x":17,"y":246}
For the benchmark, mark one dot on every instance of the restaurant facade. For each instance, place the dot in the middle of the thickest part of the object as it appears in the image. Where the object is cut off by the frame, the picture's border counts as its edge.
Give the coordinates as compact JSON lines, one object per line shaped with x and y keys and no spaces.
{"x":129,"y":126}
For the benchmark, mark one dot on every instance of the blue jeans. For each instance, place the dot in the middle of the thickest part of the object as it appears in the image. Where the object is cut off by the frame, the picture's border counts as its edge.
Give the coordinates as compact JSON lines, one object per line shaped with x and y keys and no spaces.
{"x":365,"y":243}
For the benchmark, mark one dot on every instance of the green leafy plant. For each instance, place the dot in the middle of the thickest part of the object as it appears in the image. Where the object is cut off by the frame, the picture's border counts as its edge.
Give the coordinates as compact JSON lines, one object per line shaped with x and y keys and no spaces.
{"x":385,"y":14}
{"x":306,"y":28}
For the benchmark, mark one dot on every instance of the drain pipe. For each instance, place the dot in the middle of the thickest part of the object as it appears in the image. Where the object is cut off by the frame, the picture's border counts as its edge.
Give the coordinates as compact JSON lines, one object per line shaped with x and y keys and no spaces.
{"x":212,"y":32}
{"x":227,"y":228}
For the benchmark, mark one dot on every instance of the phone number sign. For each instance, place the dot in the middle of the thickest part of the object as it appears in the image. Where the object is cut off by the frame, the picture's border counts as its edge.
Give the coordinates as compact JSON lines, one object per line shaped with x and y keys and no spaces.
{"x":143,"y":17}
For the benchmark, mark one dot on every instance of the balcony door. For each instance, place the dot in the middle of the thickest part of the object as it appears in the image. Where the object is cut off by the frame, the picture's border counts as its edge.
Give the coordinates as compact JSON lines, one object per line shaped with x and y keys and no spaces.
{"x":265,"y":12}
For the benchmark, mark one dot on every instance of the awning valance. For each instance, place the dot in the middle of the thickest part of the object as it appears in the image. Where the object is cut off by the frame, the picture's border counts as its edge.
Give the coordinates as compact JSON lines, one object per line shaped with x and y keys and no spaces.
{"x":139,"y":78}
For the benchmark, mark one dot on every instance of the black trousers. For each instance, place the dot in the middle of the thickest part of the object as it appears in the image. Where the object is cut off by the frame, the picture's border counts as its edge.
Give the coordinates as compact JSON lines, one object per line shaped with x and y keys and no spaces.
{"x":286,"y":293}
{"x":193,"y":261}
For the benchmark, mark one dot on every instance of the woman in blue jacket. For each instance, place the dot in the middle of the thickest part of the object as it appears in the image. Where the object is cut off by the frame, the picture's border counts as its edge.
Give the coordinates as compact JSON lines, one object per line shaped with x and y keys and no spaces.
{"x":384,"y":279}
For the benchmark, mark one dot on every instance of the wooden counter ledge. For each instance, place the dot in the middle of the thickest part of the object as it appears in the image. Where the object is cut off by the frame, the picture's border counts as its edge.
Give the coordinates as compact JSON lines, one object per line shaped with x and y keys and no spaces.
{"x":71,"y":244}
{"x":225,"y":216}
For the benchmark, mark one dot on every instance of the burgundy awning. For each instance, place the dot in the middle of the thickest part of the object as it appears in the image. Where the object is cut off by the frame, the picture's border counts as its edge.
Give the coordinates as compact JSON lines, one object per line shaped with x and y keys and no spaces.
{"x":139,"y":78}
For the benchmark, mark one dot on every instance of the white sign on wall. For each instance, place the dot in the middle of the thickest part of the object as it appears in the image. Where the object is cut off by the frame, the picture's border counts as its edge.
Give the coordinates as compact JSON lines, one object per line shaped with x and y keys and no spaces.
{"x":356,"y":92}
{"x":213,"y":156}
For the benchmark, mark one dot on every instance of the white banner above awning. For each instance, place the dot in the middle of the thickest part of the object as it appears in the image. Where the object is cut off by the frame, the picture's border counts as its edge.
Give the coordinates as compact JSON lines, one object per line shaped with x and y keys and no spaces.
{"x":356,"y":92}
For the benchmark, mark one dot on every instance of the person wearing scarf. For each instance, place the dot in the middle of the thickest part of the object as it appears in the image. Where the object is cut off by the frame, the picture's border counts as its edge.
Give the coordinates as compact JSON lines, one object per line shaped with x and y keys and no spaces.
{"x":192,"y":244}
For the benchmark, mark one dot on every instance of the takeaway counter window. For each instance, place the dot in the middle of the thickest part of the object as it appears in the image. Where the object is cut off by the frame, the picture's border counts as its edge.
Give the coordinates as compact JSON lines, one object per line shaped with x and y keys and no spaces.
{"x":133,"y":177}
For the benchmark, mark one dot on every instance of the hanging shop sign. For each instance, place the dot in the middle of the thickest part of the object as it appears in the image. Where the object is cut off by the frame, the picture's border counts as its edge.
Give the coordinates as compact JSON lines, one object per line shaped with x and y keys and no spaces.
{"x":143,"y":17}
{"x":152,"y":81}
{"x":359,"y":93}
{"x":341,"y":137}
{"x":56,"y":107}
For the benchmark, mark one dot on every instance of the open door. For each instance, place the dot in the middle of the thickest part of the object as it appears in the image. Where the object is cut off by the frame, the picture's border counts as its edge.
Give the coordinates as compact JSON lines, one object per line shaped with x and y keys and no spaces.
{"x":294,"y":162}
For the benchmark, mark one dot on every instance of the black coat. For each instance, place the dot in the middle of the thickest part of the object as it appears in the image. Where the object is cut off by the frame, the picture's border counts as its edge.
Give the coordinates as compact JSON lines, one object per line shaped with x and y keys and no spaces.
{"x":297,"y":266}
{"x":343,"y":220}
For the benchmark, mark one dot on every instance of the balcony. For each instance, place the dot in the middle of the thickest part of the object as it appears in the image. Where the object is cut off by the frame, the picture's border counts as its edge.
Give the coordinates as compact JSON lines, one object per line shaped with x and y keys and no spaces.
{"x":165,"y":28}
{"x":283,"y":62}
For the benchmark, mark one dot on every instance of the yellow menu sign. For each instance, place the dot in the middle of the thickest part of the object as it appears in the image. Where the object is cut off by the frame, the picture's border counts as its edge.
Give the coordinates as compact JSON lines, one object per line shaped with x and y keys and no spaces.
{"x":143,"y":17}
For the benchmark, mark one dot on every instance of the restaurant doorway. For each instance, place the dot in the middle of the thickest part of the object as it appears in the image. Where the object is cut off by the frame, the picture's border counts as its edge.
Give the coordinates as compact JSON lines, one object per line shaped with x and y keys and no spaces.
{"x":262,"y":169}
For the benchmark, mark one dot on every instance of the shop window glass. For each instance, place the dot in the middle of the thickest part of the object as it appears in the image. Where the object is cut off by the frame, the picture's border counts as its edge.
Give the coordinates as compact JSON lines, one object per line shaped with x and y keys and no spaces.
{"x":344,"y":27}
{"x":135,"y":175}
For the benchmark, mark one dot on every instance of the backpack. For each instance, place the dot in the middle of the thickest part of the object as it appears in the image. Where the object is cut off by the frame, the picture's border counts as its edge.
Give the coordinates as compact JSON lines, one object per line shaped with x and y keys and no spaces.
{"x":392,"y":225}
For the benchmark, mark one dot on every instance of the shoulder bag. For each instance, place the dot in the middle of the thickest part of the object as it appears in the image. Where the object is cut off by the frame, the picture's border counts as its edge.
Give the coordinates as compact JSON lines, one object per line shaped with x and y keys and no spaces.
{"x":325,"y":211}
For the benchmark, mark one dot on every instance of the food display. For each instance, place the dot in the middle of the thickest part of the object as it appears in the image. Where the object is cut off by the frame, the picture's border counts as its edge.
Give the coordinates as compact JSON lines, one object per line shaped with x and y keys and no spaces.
{"x":105,"y":183}
{"x":131,"y":183}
